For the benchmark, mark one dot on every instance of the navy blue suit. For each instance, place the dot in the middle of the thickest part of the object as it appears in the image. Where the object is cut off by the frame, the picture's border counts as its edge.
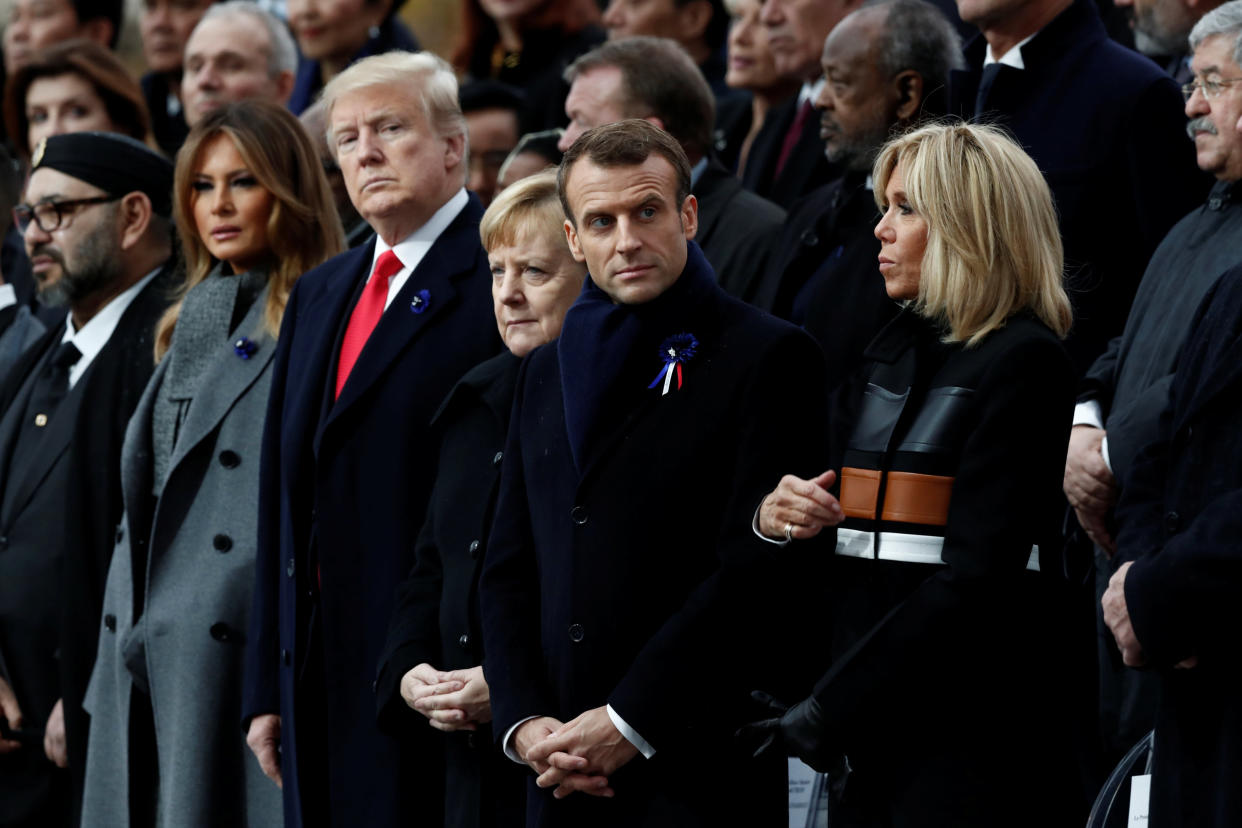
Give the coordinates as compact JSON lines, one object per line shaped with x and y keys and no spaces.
{"x":344,"y":486}
{"x":1106,"y":127}
{"x":636,"y":581}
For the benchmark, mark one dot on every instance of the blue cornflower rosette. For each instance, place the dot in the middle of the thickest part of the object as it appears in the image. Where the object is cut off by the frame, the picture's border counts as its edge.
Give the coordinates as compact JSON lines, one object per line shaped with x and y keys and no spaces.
{"x":245,"y":347}
{"x":421,"y":301}
{"x":676,"y":350}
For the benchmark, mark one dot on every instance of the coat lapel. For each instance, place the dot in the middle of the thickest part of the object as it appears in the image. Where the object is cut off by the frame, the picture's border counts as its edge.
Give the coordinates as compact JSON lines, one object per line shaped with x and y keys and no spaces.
{"x":136,"y":465}
{"x":451,"y":256}
{"x":56,"y":439}
{"x":227,"y":379}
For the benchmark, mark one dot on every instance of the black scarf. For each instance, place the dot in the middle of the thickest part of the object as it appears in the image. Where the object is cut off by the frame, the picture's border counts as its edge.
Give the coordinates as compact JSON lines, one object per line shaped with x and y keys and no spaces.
{"x":608,"y":353}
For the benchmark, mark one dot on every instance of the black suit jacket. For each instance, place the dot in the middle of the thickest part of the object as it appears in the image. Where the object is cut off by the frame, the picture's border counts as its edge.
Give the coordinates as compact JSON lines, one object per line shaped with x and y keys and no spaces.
{"x":56,"y":543}
{"x":1106,"y":127}
{"x":638,"y":582}
{"x":436,"y":618}
{"x":806,"y":168}
{"x":735,"y":226}
{"x":1180,"y":516}
{"x":343,"y":488}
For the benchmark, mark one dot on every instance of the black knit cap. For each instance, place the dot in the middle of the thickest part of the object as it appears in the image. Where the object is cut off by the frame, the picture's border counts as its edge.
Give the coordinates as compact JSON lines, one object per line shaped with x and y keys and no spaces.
{"x":116,"y":164}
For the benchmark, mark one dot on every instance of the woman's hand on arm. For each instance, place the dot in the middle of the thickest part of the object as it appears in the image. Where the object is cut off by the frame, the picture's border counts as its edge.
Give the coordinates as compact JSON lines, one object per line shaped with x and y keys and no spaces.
{"x":800,"y":509}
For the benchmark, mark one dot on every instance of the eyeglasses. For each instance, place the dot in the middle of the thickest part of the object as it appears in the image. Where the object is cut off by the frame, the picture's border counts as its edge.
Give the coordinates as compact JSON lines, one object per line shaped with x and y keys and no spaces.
{"x":1211,"y":88}
{"x":50,"y":215}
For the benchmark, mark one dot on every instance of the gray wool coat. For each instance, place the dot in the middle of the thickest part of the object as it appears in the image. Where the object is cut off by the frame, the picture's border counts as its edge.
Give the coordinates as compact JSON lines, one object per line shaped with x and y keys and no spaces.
{"x":198,"y":540}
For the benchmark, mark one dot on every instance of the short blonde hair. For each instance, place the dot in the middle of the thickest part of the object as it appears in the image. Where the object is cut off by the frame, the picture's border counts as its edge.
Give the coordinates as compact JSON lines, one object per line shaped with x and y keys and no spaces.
{"x":530,"y":205}
{"x":993,"y":242}
{"x":416,"y":73}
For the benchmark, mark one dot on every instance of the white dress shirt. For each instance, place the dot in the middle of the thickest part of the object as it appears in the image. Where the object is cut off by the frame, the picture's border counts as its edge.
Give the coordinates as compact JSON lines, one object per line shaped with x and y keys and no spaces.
{"x":94,"y":335}
{"x":414,"y":247}
{"x":1011,"y":58}
{"x":8,"y":296}
{"x":1090,"y":413}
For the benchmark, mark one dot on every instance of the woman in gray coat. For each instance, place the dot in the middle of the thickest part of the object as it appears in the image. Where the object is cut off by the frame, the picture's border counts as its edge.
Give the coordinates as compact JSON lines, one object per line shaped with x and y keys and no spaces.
{"x":166,"y":747}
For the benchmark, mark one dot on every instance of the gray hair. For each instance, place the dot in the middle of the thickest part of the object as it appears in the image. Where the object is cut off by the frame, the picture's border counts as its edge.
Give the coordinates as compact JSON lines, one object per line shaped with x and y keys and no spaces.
{"x":660,"y":79}
{"x":282,"y":54}
{"x":1225,"y":19}
{"x":916,"y":35}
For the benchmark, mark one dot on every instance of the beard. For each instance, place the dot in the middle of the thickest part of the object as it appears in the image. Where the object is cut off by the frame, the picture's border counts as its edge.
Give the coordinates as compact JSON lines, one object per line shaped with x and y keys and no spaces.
{"x":856,"y":152}
{"x":97,"y":264}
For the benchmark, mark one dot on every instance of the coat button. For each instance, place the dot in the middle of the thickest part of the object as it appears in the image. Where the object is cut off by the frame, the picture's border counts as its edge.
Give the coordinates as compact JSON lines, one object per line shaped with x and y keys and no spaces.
{"x":809,"y":238}
{"x":500,"y":455}
{"x":286,"y":657}
{"x":4,"y":541}
{"x":289,"y":568}
{"x":220,"y":631}
{"x":1172,"y":522}
{"x":230,"y":459}
{"x":110,"y":622}
{"x":474,"y":549}
{"x":471,"y":741}
{"x":1215,"y":203}
{"x":576,"y":633}
{"x":463,"y":641}
{"x":222,"y":543}
{"x":578,"y":515}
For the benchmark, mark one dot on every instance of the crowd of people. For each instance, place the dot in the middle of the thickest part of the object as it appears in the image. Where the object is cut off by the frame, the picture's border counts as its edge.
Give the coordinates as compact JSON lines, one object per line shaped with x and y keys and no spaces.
{"x":570,"y":429}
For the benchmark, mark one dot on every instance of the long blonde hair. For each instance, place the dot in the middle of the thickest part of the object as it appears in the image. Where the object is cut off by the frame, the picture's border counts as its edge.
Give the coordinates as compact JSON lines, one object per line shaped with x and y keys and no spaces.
{"x":993,"y":242}
{"x":303,"y":228}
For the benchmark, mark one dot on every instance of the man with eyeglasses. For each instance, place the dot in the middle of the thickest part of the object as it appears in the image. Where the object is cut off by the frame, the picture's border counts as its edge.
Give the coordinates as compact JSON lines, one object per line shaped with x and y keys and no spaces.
{"x":1126,"y":388}
{"x":96,"y":225}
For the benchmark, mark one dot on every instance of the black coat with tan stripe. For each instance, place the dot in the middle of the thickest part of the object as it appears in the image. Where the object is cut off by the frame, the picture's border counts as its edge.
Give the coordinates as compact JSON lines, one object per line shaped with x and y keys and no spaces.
{"x":938,"y":684}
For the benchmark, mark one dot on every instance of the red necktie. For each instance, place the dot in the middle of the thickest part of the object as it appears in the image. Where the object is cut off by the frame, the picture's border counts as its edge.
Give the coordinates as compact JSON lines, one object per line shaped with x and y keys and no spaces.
{"x":366,"y":315}
{"x":791,"y":137}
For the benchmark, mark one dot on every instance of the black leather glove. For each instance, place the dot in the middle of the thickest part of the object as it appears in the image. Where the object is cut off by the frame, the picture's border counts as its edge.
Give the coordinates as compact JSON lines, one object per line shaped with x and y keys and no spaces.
{"x":797,"y":731}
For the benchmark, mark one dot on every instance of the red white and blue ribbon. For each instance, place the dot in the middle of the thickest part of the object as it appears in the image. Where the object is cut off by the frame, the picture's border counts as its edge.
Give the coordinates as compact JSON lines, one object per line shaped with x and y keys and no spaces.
{"x":676,"y":350}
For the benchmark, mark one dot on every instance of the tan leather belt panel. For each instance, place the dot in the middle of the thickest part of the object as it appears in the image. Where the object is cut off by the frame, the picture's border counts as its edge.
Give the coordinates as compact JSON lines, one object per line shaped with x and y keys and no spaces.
{"x":909,"y":498}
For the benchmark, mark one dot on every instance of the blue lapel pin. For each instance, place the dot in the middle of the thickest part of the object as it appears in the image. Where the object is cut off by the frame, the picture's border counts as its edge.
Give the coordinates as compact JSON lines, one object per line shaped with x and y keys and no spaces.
{"x":245,"y":348}
{"x":421,"y":301}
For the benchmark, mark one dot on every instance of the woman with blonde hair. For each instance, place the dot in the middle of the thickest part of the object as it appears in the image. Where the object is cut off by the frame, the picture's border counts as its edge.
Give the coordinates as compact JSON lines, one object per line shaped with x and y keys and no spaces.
{"x":431,"y":666}
{"x":942,"y":505}
{"x":254,"y":211}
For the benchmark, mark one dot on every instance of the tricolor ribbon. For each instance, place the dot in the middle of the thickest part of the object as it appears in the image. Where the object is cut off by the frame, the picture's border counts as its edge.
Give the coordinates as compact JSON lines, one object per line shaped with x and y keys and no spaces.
{"x":675,"y":350}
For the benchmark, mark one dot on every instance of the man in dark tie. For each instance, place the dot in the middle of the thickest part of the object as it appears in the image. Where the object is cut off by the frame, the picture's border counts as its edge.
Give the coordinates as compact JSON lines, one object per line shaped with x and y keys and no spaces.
{"x":97,"y":230}
{"x":1107,"y":129}
{"x":787,"y":158}
{"x":625,"y":599}
{"x":371,"y":343}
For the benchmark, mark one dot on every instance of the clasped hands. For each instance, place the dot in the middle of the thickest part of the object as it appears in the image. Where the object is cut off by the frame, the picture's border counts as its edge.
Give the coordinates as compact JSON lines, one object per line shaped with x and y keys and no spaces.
{"x":798,"y":509}
{"x":451,"y":700}
{"x":578,"y":755}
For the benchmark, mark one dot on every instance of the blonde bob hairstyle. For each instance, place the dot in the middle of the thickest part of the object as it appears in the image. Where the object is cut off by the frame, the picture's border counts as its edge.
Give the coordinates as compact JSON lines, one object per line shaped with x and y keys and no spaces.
{"x":993,"y":243}
{"x":303,"y":229}
{"x":528,"y":207}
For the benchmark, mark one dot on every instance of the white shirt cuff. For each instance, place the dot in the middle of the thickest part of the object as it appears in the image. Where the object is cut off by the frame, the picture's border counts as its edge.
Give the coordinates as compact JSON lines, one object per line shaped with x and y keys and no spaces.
{"x":507,"y":742}
{"x":1104,"y":453}
{"x":630,"y":734}
{"x":1089,"y":413}
{"x":8,"y":296}
{"x":754,"y":527}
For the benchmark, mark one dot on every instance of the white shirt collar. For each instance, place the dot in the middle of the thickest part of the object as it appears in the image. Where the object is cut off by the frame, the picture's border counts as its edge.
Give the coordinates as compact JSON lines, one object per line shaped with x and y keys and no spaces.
{"x":413,"y":247}
{"x":94,"y":335}
{"x":1011,"y":58}
{"x":8,"y":296}
{"x":810,"y":90}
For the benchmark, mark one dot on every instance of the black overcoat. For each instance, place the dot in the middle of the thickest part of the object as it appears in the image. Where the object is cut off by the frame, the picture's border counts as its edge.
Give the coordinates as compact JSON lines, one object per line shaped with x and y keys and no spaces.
{"x":436,"y":618}
{"x":343,"y":487}
{"x":1181,"y":517}
{"x":56,"y":543}
{"x":637,"y":581}
{"x":943,"y":689}
{"x":1106,"y":127}
{"x":806,"y":168}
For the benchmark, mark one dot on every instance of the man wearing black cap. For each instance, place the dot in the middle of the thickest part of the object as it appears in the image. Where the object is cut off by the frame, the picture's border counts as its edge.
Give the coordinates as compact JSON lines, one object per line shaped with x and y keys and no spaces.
{"x":96,"y":226}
